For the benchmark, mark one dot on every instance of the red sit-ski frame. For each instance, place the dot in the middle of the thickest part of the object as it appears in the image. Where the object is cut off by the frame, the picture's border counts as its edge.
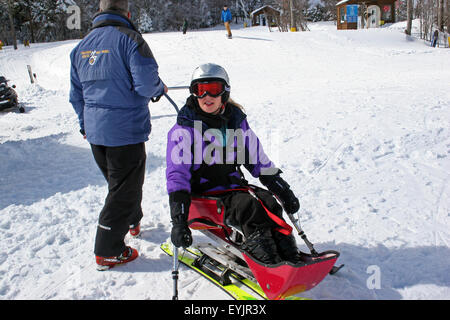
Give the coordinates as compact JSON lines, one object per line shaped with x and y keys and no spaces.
{"x":277,"y":281}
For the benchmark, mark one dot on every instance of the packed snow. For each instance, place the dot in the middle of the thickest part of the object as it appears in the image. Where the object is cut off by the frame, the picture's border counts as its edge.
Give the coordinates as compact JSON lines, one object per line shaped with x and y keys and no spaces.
{"x":358,"y":120}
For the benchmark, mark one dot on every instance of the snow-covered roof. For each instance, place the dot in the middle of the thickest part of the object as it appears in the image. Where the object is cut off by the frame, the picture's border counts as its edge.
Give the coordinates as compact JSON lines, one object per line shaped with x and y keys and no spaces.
{"x":262,"y":8}
{"x":360,"y":1}
{"x":341,"y":2}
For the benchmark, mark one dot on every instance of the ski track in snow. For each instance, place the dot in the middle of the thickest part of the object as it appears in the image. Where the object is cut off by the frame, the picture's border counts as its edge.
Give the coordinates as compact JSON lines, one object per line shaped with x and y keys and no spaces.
{"x":357,"y":120}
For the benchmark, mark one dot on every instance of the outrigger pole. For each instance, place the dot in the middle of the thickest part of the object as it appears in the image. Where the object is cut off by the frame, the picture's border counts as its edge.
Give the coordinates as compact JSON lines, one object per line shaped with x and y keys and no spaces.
{"x":175,"y":249}
{"x":310,"y":246}
{"x":302,"y":234}
{"x":175,"y":273}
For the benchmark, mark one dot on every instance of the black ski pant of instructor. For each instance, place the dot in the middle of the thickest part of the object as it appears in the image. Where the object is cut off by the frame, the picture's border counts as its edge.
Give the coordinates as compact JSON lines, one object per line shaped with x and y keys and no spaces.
{"x":124,"y":169}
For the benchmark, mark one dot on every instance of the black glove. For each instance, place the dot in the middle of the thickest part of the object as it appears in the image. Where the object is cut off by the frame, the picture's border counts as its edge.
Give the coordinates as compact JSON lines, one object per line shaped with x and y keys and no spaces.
{"x":156,"y":99}
{"x":181,"y":235}
{"x":282,"y":190}
{"x":83,"y":133}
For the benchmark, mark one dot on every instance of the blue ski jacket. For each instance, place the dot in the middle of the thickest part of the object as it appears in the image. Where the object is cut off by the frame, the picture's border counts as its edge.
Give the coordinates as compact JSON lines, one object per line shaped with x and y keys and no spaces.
{"x":113,"y":77}
{"x":226,"y":15}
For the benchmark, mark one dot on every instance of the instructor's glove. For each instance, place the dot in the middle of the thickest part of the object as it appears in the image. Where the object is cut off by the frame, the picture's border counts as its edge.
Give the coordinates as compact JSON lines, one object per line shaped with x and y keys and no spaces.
{"x":181,"y":235}
{"x":83,"y":133}
{"x":156,"y":99}
{"x":282,"y":190}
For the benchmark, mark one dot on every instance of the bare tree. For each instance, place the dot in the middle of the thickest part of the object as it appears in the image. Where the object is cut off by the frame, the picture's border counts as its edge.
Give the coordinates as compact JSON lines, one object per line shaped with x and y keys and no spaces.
{"x":409,"y":16}
{"x":244,"y":8}
{"x":433,"y":16}
{"x":11,"y":23}
{"x":293,"y":14}
{"x":440,"y":22}
{"x":447,"y":16}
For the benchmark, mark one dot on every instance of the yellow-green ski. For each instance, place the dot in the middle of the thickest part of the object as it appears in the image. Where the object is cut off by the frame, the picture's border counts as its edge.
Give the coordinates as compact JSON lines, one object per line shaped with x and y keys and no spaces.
{"x":234,"y":290}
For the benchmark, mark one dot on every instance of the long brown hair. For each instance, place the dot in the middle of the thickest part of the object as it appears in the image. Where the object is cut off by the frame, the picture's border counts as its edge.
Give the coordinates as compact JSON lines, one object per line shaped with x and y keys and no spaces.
{"x":234,"y":103}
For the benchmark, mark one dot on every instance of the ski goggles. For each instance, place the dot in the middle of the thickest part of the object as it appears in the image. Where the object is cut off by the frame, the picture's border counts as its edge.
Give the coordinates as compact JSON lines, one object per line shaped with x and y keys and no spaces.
{"x":210,"y":88}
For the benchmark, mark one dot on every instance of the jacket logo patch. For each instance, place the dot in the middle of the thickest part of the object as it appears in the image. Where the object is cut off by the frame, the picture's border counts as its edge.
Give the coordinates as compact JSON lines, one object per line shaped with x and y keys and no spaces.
{"x":92,"y":55}
{"x":93,"y":58}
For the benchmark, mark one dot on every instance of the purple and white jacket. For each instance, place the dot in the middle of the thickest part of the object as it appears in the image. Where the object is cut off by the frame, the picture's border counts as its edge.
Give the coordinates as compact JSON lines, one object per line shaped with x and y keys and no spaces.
{"x":204,"y":152}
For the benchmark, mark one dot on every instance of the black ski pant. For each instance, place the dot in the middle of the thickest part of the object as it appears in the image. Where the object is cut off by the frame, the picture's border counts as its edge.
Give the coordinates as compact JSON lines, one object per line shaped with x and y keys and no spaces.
{"x":246,"y":212}
{"x":124,"y":169}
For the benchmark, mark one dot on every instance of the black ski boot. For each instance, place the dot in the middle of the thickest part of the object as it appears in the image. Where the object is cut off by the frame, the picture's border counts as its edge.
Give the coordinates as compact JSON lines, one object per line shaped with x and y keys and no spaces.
{"x":262,"y":247}
{"x":287,"y":247}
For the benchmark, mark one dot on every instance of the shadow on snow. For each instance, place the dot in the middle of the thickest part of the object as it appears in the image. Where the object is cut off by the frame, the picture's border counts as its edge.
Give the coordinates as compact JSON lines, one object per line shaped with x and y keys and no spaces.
{"x":37,"y":169}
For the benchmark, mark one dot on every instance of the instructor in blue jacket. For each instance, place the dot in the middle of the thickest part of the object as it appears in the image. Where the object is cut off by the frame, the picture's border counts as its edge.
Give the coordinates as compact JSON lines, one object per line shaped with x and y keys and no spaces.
{"x":113,"y":78}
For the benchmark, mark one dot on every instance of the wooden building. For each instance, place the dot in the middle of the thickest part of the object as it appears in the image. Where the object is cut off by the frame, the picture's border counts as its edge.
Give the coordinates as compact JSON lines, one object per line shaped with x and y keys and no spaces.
{"x":266,"y":15}
{"x":364,"y":13}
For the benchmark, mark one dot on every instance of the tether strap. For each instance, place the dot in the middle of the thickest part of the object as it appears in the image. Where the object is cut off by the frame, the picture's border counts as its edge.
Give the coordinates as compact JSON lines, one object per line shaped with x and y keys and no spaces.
{"x":283,"y":228}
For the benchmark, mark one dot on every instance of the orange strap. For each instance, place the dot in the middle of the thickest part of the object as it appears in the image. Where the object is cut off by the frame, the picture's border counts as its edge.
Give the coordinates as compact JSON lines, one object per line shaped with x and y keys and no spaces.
{"x":283,"y":228}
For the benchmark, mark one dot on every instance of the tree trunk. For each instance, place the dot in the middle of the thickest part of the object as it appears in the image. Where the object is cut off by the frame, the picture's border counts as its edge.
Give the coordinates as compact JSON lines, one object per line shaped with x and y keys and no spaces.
{"x":31,"y":24}
{"x":244,"y":9}
{"x":409,"y":14}
{"x":441,"y":15}
{"x":11,"y":23}
{"x":447,"y":15}
{"x":291,"y":9}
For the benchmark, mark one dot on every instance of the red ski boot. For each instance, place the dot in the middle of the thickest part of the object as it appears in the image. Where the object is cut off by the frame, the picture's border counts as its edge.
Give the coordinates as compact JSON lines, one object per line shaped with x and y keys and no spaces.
{"x":105,"y":263}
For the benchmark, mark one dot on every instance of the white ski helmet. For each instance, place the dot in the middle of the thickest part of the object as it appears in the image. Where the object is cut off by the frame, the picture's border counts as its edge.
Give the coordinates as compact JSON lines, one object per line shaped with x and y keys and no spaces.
{"x":211,"y":71}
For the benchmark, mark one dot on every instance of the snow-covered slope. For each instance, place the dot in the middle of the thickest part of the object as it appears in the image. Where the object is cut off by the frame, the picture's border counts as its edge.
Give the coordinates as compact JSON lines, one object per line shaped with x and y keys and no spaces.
{"x":359,"y":122}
